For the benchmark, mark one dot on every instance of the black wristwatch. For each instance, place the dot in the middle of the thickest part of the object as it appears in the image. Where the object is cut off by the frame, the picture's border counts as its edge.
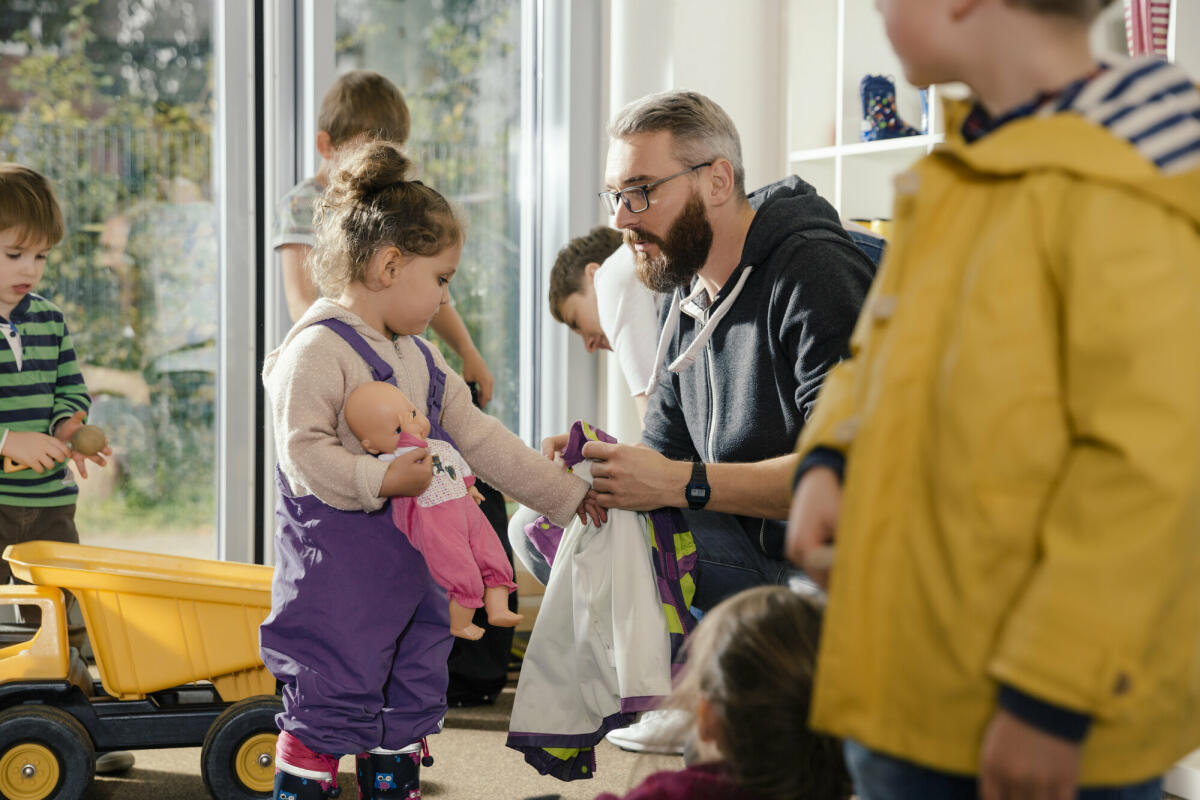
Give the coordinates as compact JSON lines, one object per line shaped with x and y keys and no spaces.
{"x":697,"y":490}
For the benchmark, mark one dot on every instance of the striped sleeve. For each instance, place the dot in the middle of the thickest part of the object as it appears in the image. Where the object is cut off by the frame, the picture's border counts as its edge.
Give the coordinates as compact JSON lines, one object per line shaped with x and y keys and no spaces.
{"x":47,"y":387}
{"x":70,"y":392}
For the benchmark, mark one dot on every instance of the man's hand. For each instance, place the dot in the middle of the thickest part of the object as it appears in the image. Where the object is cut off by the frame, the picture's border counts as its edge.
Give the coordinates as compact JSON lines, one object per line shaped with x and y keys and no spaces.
{"x":813,"y":521}
{"x":38,"y":451}
{"x":408,"y":475}
{"x":636,"y":477}
{"x":1021,"y":761}
{"x":476,"y":369}
{"x":475,"y":495}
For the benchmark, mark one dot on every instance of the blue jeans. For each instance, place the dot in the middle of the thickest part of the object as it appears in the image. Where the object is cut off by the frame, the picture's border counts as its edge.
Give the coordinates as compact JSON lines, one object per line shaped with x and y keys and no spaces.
{"x":880,"y":777}
{"x":727,"y":560}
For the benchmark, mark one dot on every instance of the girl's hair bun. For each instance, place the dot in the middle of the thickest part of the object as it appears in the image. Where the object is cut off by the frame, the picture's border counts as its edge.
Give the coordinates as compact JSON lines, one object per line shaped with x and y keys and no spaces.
{"x":371,"y":202}
{"x":365,"y":172}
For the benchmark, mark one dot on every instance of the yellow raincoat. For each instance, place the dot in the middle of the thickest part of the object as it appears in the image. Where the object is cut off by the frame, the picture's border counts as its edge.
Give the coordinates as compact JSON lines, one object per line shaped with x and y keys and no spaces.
{"x":1021,"y":424}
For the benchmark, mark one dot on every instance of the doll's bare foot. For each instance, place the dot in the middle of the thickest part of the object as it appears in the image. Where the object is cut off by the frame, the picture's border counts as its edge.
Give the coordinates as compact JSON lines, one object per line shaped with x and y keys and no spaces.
{"x":461,"y":624}
{"x":472,"y":633}
{"x":495,"y":600}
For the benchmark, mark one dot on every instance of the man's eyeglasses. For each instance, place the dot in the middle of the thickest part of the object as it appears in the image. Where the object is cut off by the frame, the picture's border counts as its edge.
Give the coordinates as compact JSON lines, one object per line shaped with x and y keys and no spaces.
{"x":637,"y":198}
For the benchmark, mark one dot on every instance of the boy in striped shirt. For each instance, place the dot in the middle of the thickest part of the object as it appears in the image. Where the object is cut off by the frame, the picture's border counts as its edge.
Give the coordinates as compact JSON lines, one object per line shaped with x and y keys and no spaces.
{"x":43,"y":399}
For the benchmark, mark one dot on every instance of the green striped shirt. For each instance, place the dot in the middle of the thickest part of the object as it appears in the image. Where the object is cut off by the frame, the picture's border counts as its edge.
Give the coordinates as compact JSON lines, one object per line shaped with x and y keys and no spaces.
{"x":48,"y":387}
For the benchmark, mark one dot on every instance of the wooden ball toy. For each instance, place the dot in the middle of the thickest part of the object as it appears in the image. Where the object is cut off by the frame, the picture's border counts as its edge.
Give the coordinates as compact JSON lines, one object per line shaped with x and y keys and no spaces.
{"x":88,"y":440}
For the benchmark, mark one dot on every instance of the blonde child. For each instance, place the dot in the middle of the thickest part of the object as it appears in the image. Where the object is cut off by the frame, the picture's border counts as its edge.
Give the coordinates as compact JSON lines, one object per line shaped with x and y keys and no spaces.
{"x":747,"y":685}
{"x":1014,"y":610}
{"x":359,"y":632}
{"x":361,"y":104}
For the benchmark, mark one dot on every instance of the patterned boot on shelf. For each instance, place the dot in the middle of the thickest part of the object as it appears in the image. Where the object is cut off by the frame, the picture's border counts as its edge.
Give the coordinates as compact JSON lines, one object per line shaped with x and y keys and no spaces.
{"x":392,"y":774}
{"x":301,"y":774}
{"x":880,"y":118}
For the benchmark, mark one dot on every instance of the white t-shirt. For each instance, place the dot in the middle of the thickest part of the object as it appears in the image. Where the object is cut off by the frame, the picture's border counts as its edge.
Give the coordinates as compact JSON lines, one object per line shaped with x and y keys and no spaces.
{"x":628,"y":316}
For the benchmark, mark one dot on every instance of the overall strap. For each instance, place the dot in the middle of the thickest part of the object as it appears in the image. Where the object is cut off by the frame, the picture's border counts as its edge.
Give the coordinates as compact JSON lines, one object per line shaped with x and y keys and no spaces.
{"x":379,"y":368}
{"x":437,"y":382}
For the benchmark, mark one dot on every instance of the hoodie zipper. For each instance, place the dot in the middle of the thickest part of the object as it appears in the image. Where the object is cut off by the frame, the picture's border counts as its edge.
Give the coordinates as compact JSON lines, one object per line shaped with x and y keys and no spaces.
{"x":712,"y":396}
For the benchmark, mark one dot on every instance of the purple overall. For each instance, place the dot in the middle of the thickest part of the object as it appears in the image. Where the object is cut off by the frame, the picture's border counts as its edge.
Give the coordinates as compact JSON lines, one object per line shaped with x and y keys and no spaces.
{"x":358,"y":633}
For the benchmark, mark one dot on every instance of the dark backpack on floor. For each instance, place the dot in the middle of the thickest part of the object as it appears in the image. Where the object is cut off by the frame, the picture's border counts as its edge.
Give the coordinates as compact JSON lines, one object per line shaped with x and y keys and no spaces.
{"x":479,"y":670}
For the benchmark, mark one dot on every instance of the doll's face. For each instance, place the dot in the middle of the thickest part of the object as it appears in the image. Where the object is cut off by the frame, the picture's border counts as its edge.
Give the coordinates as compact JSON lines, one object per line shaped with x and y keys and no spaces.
{"x":378,"y":412}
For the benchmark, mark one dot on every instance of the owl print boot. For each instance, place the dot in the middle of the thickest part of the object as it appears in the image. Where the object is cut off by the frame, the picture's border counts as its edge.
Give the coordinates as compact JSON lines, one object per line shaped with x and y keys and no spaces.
{"x":301,"y":774}
{"x":392,"y":774}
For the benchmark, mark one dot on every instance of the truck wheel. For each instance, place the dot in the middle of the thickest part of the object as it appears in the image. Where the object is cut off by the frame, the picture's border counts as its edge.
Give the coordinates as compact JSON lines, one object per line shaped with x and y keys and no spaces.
{"x":45,"y":754}
{"x":238,"y":758}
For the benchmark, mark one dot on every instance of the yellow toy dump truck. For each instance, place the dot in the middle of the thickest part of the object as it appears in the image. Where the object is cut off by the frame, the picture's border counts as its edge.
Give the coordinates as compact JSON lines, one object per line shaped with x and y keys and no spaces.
{"x":176,"y":645}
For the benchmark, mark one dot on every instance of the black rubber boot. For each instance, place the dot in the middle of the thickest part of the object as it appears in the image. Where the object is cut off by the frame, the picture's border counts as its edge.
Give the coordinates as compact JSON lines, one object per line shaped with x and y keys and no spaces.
{"x":387,"y":776}
{"x":292,"y":787}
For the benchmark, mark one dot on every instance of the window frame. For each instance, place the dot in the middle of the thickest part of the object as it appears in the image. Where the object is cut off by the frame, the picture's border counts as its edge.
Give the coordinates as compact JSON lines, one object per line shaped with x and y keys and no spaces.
{"x":236,"y":173}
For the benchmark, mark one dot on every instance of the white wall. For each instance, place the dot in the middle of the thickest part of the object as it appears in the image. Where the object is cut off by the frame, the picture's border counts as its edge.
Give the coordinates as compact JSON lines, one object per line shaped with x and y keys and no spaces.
{"x":730,"y":52}
{"x":1187,"y":36}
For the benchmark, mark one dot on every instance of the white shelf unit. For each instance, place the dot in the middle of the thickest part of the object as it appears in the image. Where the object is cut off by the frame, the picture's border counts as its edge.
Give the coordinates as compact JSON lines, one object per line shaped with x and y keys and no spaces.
{"x":831,"y":45}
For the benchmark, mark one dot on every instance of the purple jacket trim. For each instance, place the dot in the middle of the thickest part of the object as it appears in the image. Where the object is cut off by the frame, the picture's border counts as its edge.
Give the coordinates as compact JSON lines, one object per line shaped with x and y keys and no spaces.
{"x":573,"y":452}
{"x":581,"y":766}
{"x":519,"y":739}
{"x":632,"y":705}
{"x":545,"y":537}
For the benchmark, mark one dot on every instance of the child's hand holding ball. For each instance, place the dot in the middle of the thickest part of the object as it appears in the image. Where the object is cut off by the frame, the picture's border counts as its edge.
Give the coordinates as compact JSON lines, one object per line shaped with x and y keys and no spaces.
{"x":88,"y":442}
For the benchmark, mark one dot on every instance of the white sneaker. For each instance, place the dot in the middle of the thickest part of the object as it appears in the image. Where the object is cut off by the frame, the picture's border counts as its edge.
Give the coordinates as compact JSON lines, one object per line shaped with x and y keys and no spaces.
{"x":663,"y":732}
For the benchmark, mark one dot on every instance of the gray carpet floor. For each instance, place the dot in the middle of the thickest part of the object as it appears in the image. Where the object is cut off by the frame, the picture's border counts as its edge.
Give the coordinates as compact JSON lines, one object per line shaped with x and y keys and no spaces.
{"x":472,"y":763}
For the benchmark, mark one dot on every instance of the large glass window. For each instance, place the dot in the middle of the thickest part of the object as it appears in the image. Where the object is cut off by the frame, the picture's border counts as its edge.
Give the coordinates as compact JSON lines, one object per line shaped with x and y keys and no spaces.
{"x":458,"y":63}
{"x":113,"y":100}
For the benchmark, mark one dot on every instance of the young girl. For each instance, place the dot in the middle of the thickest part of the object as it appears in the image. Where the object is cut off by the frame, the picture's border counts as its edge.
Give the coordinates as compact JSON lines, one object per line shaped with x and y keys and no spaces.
{"x":444,"y":523}
{"x":359,"y":633}
{"x":748,"y":682}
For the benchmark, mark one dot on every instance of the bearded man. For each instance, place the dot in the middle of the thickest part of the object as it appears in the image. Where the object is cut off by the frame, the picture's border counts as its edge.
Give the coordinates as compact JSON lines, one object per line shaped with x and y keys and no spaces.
{"x":764,"y":291}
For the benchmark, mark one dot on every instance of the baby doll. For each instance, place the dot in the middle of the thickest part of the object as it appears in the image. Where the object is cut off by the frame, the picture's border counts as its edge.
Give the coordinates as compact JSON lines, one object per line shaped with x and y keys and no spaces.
{"x":443,"y":523}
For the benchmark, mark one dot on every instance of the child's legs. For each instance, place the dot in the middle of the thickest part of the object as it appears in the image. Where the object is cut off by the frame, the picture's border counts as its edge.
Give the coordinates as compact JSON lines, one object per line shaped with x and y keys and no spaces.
{"x":1150,"y":790}
{"x":486,"y":549}
{"x":340,"y":601}
{"x":415,"y":693}
{"x":443,"y":535}
{"x":880,"y":777}
{"x":20,"y":524}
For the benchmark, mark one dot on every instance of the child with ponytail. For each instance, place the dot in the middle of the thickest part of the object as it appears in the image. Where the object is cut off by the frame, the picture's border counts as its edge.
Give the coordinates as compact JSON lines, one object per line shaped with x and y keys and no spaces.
{"x":359,"y":632}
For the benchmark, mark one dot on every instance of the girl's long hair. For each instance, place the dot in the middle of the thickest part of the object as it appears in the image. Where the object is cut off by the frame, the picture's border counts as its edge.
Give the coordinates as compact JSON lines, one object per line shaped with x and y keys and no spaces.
{"x":752,"y":658}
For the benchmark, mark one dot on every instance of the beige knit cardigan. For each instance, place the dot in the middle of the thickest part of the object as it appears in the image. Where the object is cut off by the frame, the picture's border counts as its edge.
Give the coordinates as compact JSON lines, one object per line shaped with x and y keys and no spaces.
{"x":307,"y":380}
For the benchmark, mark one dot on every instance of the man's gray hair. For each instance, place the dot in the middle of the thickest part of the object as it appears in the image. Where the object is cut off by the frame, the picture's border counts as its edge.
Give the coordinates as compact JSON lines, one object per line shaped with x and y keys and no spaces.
{"x":701,"y":129}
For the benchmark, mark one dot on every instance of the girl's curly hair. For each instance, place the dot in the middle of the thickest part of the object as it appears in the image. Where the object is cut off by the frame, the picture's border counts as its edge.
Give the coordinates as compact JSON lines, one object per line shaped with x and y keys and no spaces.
{"x":370,"y":203}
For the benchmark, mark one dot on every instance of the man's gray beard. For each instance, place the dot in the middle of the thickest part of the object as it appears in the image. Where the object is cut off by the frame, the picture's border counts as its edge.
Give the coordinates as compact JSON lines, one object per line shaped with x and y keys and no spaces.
{"x":681,"y":254}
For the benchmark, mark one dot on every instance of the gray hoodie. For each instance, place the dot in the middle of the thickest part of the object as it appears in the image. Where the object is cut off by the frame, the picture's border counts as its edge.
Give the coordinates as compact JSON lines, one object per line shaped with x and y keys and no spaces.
{"x":752,"y":384}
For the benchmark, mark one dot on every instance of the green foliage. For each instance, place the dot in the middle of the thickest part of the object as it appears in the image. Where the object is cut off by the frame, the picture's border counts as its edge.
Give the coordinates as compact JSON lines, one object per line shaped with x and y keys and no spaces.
{"x":459,"y":70}
{"x":96,"y":117}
